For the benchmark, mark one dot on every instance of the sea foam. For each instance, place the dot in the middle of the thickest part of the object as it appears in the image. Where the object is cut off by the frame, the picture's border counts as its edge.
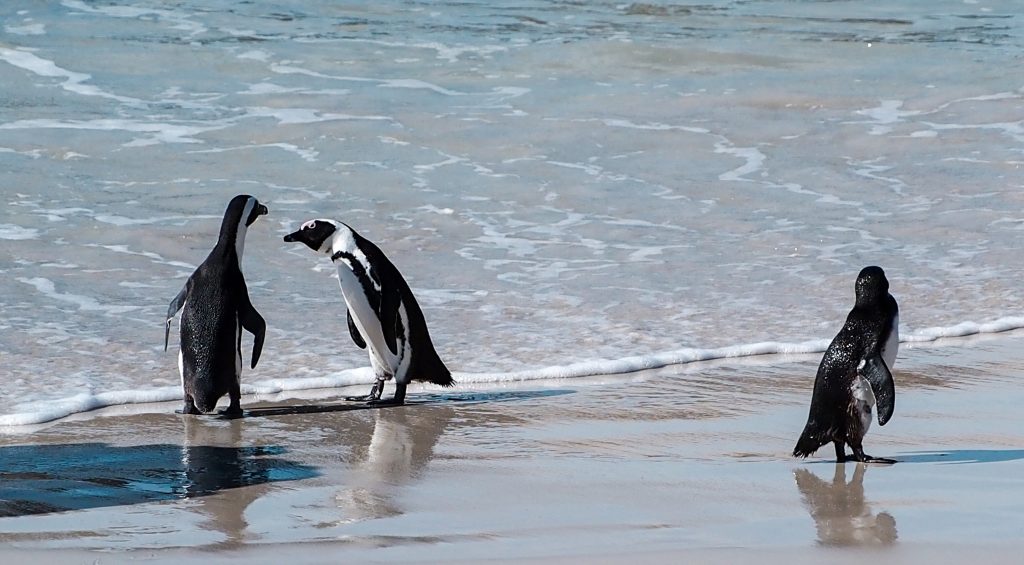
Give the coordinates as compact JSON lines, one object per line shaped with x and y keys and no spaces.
{"x":51,"y":410}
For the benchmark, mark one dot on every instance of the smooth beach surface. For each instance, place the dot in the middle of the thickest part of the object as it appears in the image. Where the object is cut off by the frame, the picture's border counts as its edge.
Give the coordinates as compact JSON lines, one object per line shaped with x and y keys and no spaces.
{"x":690,"y":461}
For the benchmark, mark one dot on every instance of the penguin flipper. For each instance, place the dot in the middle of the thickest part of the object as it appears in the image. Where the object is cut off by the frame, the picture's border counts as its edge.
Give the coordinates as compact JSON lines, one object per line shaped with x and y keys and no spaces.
{"x":254,"y":324}
{"x":390,"y":299}
{"x":882,"y":385}
{"x":354,"y":331}
{"x":172,"y":311}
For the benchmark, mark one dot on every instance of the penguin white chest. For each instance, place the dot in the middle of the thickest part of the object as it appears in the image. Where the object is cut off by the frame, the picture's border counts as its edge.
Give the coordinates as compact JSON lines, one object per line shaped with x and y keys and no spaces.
{"x":364,"y":316}
{"x":892,"y":344}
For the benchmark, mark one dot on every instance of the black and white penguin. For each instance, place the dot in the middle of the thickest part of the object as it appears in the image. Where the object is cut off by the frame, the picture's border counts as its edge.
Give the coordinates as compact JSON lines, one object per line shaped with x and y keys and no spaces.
{"x":383,"y":315}
{"x":216,"y":308}
{"x":855,"y":373}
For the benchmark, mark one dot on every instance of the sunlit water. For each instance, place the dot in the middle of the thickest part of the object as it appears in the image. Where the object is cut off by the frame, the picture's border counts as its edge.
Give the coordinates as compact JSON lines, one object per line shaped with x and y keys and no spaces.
{"x":560,"y":182}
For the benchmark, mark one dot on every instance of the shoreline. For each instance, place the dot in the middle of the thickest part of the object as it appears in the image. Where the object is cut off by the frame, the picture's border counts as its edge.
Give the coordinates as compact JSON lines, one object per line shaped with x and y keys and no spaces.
{"x":687,"y":462}
{"x":343,"y":382}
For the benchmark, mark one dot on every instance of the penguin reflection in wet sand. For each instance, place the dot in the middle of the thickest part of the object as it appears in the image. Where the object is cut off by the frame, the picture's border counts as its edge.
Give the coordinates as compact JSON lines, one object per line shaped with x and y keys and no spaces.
{"x":855,"y":374}
{"x":383,"y":315}
{"x":216,"y":307}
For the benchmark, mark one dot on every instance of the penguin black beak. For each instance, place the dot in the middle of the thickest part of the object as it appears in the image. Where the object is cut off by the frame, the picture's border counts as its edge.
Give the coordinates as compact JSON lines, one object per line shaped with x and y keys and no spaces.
{"x":261,"y":210}
{"x":290,"y":238}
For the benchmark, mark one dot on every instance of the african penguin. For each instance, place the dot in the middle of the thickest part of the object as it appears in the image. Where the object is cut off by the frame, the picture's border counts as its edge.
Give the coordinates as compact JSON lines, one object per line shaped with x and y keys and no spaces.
{"x":216,"y":307}
{"x":855,"y":373}
{"x":383,"y":315}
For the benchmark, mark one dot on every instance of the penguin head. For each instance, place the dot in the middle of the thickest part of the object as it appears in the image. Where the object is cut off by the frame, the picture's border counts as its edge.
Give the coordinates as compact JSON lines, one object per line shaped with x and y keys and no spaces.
{"x":871,"y":285}
{"x":242,"y":211}
{"x":255,"y":212}
{"x":316,"y":234}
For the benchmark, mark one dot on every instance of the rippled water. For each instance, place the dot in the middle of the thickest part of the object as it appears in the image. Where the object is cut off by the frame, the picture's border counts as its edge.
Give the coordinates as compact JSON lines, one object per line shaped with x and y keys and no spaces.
{"x":560,"y":182}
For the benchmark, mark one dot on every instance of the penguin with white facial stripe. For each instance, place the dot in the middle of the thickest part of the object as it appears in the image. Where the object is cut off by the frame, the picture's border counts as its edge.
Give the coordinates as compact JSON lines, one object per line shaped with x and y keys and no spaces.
{"x":855,"y":374}
{"x":383,"y":315}
{"x":216,"y":307}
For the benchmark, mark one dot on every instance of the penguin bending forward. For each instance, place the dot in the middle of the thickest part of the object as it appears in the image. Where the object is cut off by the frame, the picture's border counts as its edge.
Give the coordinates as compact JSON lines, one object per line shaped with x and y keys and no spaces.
{"x":383,"y":315}
{"x":855,"y":374}
{"x":216,"y":307}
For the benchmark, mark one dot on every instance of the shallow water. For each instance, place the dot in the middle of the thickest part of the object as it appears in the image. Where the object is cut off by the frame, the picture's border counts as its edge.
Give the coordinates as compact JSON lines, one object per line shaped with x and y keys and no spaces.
{"x":560,"y":183}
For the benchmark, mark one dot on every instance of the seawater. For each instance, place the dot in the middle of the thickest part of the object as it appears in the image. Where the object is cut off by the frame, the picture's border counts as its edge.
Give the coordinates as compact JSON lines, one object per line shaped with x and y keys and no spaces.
{"x":571,"y":188}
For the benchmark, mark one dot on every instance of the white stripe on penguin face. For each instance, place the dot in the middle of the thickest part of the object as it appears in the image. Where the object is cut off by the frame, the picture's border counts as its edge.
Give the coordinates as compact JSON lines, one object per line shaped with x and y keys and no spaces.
{"x":240,"y":234}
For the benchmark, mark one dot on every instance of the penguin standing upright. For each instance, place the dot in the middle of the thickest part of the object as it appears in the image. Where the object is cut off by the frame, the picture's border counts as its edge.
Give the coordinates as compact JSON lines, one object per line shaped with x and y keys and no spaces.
{"x":854,"y":374}
{"x":216,"y":308}
{"x":383,"y":315}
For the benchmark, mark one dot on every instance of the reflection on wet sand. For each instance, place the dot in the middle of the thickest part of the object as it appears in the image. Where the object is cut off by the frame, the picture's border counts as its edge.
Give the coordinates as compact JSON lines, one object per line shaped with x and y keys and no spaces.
{"x":209,"y":470}
{"x":40,"y":479}
{"x":392,"y":456}
{"x":841,"y":515}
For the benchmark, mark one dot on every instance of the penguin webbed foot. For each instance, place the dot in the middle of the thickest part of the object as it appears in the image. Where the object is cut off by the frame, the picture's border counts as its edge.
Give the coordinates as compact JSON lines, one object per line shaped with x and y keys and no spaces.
{"x":231,"y":413}
{"x":378,"y":388}
{"x":880,"y":460}
{"x":397,"y":400}
{"x":188,"y":408}
{"x":859,"y":455}
{"x":378,"y":403}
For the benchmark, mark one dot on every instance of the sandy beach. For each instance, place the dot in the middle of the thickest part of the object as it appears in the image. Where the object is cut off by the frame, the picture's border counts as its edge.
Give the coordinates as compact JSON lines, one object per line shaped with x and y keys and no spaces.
{"x":688,"y":461}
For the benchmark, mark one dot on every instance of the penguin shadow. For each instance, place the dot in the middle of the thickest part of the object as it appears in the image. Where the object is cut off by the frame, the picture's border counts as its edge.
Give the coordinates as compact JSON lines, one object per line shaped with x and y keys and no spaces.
{"x":45,"y":478}
{"x":427,"y":399}
{"x":388,"y":457}
{"x":842,"y":516}
{"x":963,"y":456}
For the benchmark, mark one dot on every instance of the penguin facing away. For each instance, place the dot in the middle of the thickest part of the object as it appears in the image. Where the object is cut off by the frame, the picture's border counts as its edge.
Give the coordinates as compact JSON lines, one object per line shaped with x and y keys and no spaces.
{"x":855,"y":374}
{"x":215,"y":308}
{"x":383,"y":316}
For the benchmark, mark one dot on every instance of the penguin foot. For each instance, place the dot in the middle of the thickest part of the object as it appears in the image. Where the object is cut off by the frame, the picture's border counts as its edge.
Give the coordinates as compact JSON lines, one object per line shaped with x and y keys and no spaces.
{"x":389,"y":402}
{"x":231,"y":413}
{"x":378,"y":387}
{"x":188,"y":408}
{"x":882,"y":460}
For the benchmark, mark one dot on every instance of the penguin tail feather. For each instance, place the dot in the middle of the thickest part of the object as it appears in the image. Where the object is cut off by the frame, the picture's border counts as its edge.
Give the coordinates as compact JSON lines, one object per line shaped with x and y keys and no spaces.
{"x":808,"y":443}
{"x":438,"y":373}
{"x":443,"y":378}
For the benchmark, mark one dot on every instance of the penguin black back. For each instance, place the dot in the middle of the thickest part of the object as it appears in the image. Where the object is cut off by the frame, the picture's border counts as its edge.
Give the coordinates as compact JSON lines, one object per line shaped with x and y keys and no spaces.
{"x":854,"y":374}
{"x":216,"y":306}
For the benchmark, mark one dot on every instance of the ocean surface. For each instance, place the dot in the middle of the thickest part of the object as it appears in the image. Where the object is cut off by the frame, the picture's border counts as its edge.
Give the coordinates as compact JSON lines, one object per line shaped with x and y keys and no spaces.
{"x":570,"y":188}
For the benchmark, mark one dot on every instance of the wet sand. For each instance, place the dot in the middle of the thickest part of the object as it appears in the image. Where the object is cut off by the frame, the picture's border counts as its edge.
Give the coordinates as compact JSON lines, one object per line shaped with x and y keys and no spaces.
{"x":685,"y":462}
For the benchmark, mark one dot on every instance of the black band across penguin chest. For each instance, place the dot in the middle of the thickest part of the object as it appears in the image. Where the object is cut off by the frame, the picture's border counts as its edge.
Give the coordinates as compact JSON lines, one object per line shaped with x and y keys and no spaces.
{"x":366,"y":278}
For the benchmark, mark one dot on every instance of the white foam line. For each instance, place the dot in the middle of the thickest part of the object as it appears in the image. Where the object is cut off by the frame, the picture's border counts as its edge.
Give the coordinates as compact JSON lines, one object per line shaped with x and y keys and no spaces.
{"x":162,"y":132}
{"x":306,"y":115}
{"x":85,"y":402}
{"x":73,"y":82}
{"x":46,"y":287}
{"x":13,"y":232}
{"x":645,"y":362}
{"x":965,"y":329}
{"x":27,"y":29}
{"x":411,"y":83}
{"x":450,"y":53}
{"x":753,"y":157}
{"x":179,"y":20}
{"x":155,"y":257}
{"x":308,"y":155}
